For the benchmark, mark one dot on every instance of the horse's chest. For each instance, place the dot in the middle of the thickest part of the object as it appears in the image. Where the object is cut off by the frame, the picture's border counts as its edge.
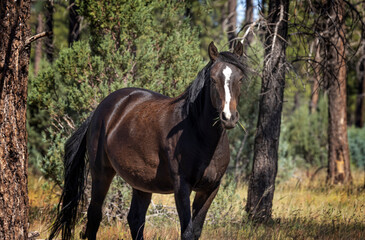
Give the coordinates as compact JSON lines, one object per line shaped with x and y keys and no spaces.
{"x":202,"y":161}
{"x":210,"y":171}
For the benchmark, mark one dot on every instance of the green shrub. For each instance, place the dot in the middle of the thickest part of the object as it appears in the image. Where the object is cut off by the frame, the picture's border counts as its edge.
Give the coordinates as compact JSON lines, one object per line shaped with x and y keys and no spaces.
{"x":356,"y":137}
{"x":303,"y":140}
{"x":226,"y":209}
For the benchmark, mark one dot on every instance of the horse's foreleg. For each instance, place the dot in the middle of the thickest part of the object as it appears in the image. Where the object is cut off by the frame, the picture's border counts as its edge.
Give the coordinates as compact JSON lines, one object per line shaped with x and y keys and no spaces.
{"x":182,"y":194}
{"x":100,"y":186}
{"x":201,"y":205}
{"x":137,"y":213}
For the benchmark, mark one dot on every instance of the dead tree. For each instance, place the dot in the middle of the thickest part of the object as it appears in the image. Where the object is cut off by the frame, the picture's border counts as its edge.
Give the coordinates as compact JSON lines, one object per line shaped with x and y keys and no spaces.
{"x":48,"y":42}
{"x":74,"y":23}
{"x":323,"y":22}
{"x":231,"y":22}
{"x":331,"y":30}
{"x":262,"y":181}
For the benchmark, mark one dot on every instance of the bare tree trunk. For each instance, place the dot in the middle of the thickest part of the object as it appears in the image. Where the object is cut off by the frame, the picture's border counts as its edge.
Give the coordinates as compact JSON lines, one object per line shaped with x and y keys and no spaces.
{"x":262,"y":182}
{"x":49,"y":28}
{"x":232,"y":22}
{"x":360,"y":72}
{"x":338,"y":152}
{"x":248,"y":20}
{"x":74,"y":24}
{"x":360,"y":101}
{"x":316,"y":79}
{"x":38,"y":45}
{"x":14,"y":61}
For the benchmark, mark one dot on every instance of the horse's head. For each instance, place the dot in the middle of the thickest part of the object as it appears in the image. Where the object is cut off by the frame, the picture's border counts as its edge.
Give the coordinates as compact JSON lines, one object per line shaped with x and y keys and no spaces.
{"x":226,"y":75}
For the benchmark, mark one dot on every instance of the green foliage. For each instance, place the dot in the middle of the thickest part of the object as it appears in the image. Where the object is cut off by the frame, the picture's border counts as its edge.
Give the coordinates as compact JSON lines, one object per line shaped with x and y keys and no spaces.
{"x":225,"y":203}
{"x":303,"y":140}
{"x":207,"y":17}
{"x":160,"y":54}
{"x":356,"y":137}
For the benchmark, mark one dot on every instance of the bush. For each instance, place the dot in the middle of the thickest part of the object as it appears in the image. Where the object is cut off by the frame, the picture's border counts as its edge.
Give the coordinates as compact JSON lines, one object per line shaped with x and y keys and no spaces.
{"x":356,"y":138}
{"x":226,"y":209}
{"x":303,"y":140}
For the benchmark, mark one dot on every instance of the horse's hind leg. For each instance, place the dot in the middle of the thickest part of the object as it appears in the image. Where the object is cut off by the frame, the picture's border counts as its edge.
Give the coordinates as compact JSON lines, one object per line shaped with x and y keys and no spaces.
{"x":100,"y":187}
{"x":101,"y":179}
{"x":102,"y":174}
{"x":137,"y":213}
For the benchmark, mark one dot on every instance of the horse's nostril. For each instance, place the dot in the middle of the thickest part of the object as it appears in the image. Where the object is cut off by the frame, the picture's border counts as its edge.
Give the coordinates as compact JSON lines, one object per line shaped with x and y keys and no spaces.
{"x":224,"y":117}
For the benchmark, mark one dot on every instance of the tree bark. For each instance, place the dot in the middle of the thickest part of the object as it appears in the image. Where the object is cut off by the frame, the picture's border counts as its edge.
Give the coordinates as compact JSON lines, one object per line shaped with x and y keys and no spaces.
{"x":48,"y":42}
{"x":360,"y":72}
{"x":232,"y":22}
{"x":335,"y":76}
{"x":262,"y":181}
{"x":14,"y":61}
{"x":360,"y":101}
{"x":316,"y":79}
{"x":248,"y":20}
{"x":74,"y":23}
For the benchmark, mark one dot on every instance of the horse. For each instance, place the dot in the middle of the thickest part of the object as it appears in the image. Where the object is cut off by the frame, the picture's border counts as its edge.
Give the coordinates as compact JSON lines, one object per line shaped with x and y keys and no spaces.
{"x":157,"y":144}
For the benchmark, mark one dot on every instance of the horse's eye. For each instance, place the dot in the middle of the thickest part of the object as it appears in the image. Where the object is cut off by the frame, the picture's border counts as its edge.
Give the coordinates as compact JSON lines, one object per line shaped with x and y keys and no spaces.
{"x":213,"y":80}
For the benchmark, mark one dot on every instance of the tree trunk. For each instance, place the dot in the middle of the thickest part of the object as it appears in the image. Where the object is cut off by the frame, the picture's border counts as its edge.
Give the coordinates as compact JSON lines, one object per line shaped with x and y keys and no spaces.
{"x":74,"y":23}
{"x":360,"y":101}
{"x":248,"y":20}
{"x":14,"y":61}
{"x":335,"y":76}
{"x":232,"y":22}
{"x":38,"y":45}
{"x":316,"y":79}
{"x":49,"y":28}
{"x":262,"y":182}
{"x":360,"y":72}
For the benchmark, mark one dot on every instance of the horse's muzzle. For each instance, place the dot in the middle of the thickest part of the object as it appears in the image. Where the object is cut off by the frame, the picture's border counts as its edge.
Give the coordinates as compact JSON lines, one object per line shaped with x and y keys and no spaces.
{"x":229,"y":123}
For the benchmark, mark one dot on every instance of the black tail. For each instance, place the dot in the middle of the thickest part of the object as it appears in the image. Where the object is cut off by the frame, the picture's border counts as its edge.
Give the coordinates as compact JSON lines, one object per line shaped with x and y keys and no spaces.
{"x":74,"y":184}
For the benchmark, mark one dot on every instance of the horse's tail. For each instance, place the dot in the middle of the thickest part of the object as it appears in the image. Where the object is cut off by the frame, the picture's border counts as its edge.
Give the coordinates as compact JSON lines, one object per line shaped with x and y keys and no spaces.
{"x":74,"y":184}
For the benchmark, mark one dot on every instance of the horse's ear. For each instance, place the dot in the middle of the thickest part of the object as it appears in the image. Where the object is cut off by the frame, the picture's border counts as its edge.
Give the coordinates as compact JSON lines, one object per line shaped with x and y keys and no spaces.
{"x":238,"y":49}
{"x":213,"y":51}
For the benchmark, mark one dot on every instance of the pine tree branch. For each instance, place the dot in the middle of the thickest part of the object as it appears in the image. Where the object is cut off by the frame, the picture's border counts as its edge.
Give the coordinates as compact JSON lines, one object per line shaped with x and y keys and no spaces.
{"x":281,"y":17}
{"x":36,"y":37}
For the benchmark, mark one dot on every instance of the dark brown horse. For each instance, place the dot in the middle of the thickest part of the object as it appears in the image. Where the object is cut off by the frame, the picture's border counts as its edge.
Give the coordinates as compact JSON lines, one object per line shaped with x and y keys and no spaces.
{"x":156,"y":144}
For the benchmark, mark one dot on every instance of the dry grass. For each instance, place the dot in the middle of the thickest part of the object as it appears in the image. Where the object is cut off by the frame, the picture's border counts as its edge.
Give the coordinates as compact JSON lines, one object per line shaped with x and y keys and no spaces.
{"x":302,"y":210}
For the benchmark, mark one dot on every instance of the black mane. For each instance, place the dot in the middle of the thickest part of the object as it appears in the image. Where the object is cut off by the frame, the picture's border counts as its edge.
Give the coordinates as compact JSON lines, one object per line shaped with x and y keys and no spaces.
{"x":194,"y":89}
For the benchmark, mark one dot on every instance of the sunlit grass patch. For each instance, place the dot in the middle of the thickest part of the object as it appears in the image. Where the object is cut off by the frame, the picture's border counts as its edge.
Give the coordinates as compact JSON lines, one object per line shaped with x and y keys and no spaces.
{"x":302,"y":209}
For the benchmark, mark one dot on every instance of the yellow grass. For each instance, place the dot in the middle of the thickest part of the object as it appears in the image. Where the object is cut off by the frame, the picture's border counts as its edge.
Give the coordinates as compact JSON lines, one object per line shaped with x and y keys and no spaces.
{"x":301,"y":210}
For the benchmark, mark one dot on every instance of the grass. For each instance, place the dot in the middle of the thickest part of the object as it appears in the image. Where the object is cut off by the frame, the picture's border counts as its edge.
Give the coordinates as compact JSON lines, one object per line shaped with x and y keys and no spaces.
{"x":301,"y":210}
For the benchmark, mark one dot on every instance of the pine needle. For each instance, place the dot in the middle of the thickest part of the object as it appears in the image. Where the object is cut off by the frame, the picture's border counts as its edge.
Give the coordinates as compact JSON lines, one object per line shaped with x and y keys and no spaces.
{"x":244,"y":129}
{"x":216,"y":120}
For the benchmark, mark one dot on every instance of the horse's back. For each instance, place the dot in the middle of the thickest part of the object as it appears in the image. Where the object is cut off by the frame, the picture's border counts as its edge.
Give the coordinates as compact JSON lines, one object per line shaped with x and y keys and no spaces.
{"x":130,"y":124}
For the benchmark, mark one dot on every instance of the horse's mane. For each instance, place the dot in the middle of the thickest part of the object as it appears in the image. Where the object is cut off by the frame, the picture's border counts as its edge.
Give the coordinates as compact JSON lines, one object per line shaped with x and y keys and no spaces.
{"x":203,"y":78}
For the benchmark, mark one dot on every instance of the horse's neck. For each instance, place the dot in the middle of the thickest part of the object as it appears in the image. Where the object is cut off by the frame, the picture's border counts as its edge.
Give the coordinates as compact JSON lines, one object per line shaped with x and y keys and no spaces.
{"x":208,"y":118}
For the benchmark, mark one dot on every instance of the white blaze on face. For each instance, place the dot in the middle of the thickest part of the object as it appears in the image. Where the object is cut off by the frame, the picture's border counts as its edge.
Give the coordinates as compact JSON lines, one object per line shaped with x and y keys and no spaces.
{"x":227,"y":74}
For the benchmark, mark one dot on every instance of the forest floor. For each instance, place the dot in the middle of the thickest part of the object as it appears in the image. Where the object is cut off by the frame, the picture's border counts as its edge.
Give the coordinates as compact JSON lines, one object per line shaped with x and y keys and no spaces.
{"x":302,"y":209}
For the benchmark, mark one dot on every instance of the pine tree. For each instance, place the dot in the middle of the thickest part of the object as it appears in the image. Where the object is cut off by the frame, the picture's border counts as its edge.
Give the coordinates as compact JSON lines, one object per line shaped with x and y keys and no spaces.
{"x":14,"y":61}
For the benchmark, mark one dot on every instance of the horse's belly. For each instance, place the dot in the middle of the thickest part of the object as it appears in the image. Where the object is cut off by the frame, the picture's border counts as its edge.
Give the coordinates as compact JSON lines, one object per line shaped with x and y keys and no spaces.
{"x":147,"y":175}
